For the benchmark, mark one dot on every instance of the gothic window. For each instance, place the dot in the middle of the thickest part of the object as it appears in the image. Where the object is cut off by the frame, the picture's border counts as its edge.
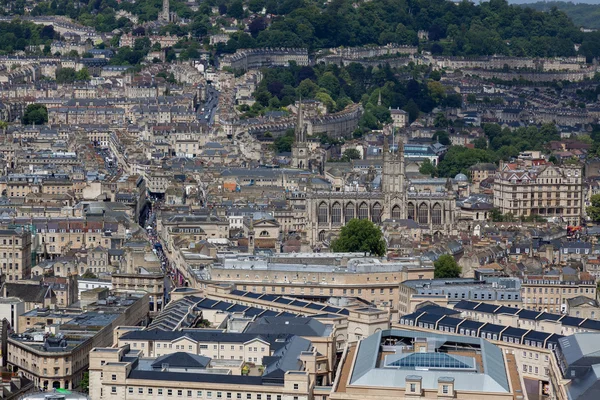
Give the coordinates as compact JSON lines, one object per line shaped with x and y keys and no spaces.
{"x":411,"y":211}
{"x":336,"y":213}
{"x":323,"y":213}
{"x":322,"y":236}
{"x":436,"y":215}
{"x":349,"y":212}
{"x":396,"y":212}
{"x":376,"y":213}
{"x":363,"y":211}
{"x":423,"y":214}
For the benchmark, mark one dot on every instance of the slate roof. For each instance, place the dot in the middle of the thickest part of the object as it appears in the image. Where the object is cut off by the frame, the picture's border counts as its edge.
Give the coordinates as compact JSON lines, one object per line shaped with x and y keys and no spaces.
{"x":27,"y":293}
{"x":182,"y":360}
{"x":294,"y":326}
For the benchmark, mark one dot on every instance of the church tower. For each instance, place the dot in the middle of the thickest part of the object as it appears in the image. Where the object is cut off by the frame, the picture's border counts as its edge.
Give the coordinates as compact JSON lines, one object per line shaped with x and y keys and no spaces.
{"x":393,"y":179}
{"x":300,"y":149}
{"x":165,"y":13}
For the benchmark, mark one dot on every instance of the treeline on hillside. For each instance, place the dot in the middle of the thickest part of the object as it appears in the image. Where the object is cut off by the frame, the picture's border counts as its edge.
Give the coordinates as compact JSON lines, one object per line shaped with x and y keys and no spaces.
{"x":492,"y":27}
{"x":585,"y":15}
{"x":336,"y":87}
{"x":500,"y":144}
{"x":17,"y":35}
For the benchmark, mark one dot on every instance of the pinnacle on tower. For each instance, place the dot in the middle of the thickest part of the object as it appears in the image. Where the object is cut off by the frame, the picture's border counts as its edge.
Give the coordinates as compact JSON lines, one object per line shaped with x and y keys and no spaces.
{"x":300,"y":124}
{"x":164,"y":15}
{"x":379,"y":99}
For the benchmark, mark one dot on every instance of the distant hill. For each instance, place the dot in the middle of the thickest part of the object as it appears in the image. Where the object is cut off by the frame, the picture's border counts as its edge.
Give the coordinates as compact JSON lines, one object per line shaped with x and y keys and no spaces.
{"x":585,"y":15}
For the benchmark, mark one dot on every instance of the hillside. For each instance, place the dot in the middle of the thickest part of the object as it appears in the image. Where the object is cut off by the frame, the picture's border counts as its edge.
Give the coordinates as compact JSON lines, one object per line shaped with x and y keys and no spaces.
{"x":585,"y":15}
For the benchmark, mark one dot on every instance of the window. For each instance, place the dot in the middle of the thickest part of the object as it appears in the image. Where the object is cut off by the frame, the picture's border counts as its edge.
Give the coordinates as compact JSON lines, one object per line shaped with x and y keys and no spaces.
{"x":179,"y":392}
{"x":199,"y":393}
{"x":113,"y":389}
{"x":323,"y":213}
{"x":114,"y":377}
{"x":169,"y":392}
{"x":445,"y":389}
{"x":141,"y":390}
{"x":160,"y":391}
{"x":413,"y":387}
{"x":149,"y":391}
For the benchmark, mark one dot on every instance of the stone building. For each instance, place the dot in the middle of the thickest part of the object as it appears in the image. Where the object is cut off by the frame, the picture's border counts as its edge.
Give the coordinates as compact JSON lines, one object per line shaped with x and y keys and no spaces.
{"x":397,"y":199}
{"x":15,"y":250}
{"x":57,"y":355}
{"x":246,"y":59}
{"x":548,"y":191}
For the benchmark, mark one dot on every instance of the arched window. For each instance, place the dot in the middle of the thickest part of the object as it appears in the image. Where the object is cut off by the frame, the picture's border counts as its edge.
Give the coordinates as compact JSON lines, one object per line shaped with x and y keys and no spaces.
{"x":336,"y":213}
{"x":376,"y":213}
{"x":323,"y":213}
{"x":322,"y":236}
{"x":363,"y":211}
{"x":411,"y":211}
{"x":396,"y":212}
{"x":349,"y":212}
{"x":423,"y":214}
{"x":436,"y":214}
{"x":264,"y":234}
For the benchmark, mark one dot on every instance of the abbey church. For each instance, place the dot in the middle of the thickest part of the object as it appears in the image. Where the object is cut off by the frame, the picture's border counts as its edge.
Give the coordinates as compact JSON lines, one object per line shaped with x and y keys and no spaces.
{"x":394,"y":198}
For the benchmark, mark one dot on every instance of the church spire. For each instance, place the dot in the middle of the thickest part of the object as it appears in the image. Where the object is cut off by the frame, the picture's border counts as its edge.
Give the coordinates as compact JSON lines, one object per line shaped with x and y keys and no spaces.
{"x":300,"y":124}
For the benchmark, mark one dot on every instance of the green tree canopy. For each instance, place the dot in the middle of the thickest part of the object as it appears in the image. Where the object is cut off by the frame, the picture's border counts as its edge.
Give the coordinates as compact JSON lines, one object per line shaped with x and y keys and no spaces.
{"x":593,"y":211}
{"x":84,"y":383}
{"x":89,"y":275}
{"x":427,"y":168}
{"x":284,"y":143}
{"x":351,"y":154}
{"x":360,"y":235}
{"x":83,"y":75}
{"x":65,"y":75}
{"x":35,"y":114}
{"x":446,"y":267}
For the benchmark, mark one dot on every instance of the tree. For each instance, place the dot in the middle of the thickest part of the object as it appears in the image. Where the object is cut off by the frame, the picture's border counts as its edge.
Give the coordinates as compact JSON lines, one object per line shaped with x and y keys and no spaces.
{"x":84,"y":383}
{"x":360,"y":235}
{"x":256,"y":6}
{"x":593,"y":211}
{"x":351,"y":154}
{"x":446,"y":267}
{"x":442,"y":137}
{"x":89,"y":275}
{"x":284,"y":143}
{"x":65,"y":75}
{"x":35,"y":114}
{"x":480,"y":143}
{"x":427,"y":168}
{"x":83,"y":75}
{"x":412,"y":109}
{"x":236,"y":10}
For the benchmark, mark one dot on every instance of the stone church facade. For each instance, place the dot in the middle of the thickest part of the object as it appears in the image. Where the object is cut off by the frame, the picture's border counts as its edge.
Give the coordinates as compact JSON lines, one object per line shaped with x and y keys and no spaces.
{"x":328,"y":212}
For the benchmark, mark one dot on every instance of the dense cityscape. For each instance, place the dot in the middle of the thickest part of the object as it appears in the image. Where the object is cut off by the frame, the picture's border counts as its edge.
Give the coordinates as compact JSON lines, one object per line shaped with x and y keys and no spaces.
{"x":299,"y":200}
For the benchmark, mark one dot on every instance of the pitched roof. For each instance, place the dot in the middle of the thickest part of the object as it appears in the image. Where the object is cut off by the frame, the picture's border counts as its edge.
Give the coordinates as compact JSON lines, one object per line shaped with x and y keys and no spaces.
{"x":27,"y":293}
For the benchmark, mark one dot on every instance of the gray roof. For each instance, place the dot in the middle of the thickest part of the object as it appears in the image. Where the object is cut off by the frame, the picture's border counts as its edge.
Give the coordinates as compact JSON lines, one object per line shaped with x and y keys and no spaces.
{"x":579,"y":345}
{"x":492,"y":379}
{"x":300,"y":326}
{"x":182,"y":359}
{"x":27,"y":293}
